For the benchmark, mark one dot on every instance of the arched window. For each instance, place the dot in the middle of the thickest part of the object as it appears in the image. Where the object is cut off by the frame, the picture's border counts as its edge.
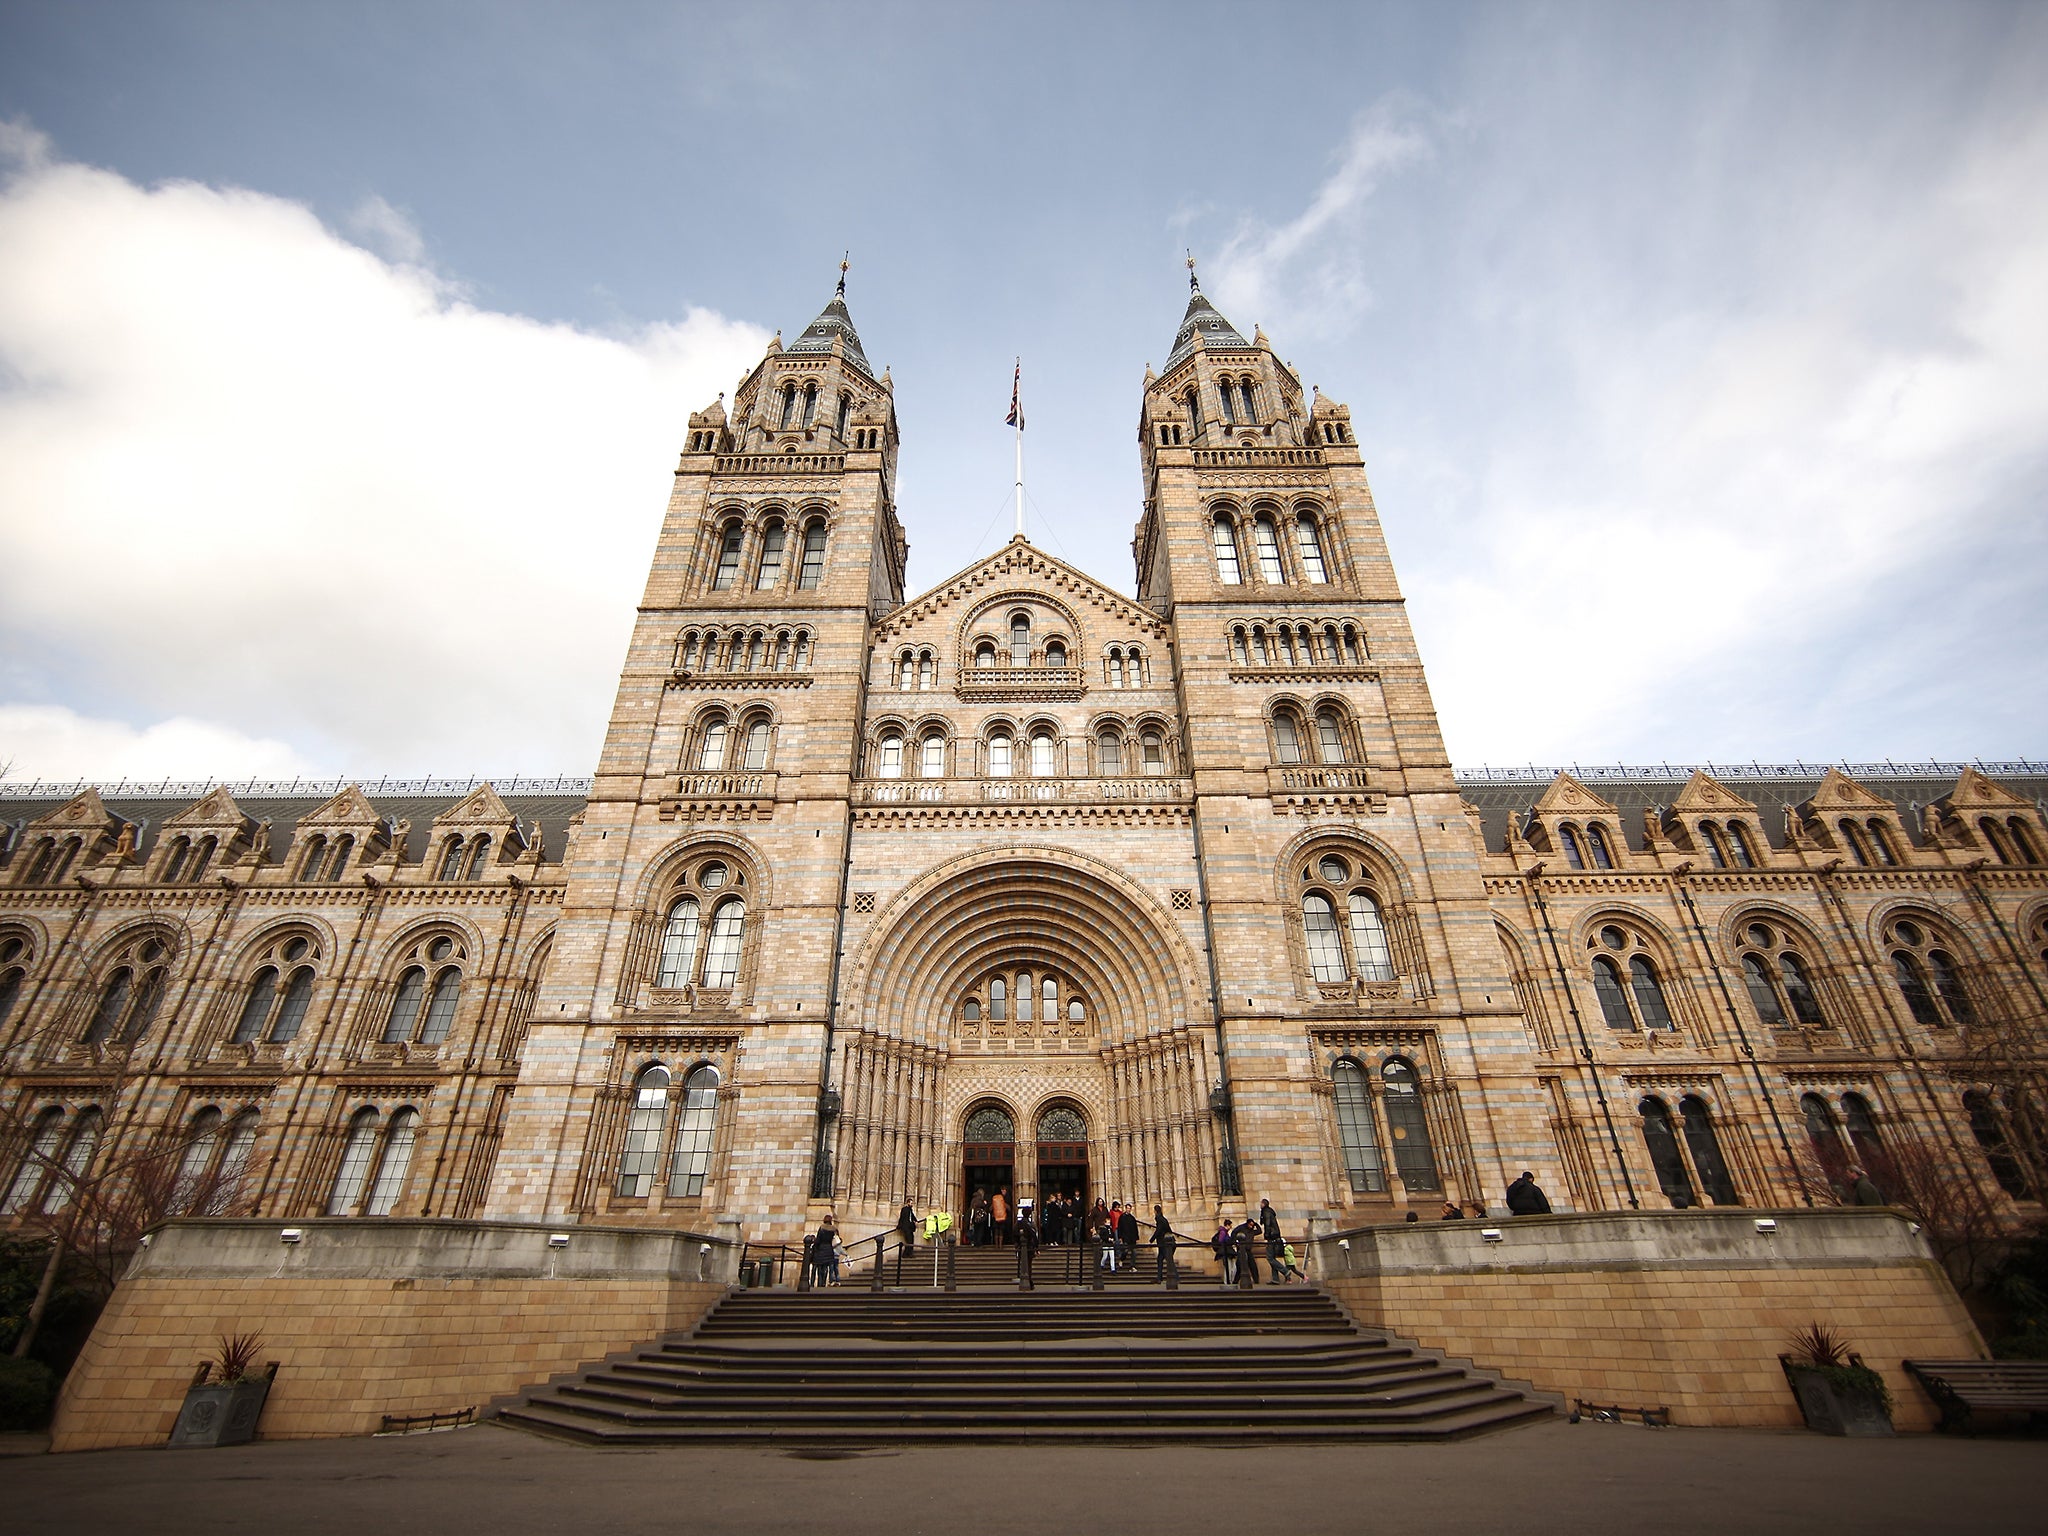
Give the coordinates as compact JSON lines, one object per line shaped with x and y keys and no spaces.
{"x":1369,"y":939}
{"x":1024,"y":996}
{"x":1705,"y":1147}
{"x":927,"y":670}
{"x":1113,"y":666}
{"x":722,"y":955}
{"x":1852,"y":840}
{"x":754,"y":747}
{"x":1049,"y":995}
{"x":37,"y":1164}
{"x":1251,"y":401}
{"x":1268,"y":545}
{"x":1649,"y":995}
{"x":985,"y":656}
{"x":1109,"y":753}
{"x":1363,"y":1164}
{"x":1568,"y":840}
{"x":1994,"y":839}
{"x":10,"y":991}
{"x":174,"y":861}
{"x":1055,"y":653}
{"x":1042,"y":754}
{"x":769,"y":572}
{"x":1238,"y":654}
{"x":1669,"y":1163}
{"x":1227,"y":395}
{"x":1308,"y":540}
{"x":1152,"y":752}
{"x":1286,"y":737}
{"x":1596,"y":842}
{"x":343,"y":847}
{"x":234,"y":1162}
{"x":788,"y":416}
{"x":405,"y":1006}
{"x":1913,"y":983}
{"x":76,"y":1163}
{"x":845,"y":411}
{"x":679,"y":944}
{"x":1330,"y":737}
{"x":2022,"y":841}
{"x":932,"y":756}
{"x":970,"y":1010}
{"x":291,"y":1013}
{"x":256,"y":1006}
{"x":1799,"y":990}
{"x":1825,"y":1137}
{"x":1607,"y":987}
{"x":1408,"y":1126}
{"x":1740,"y":850}
{"x":395,"y":1164}
{"x":357,"y":1153}
{"x":889,"y":757}
{"x":906,"y":671}
{"x":999,"y":755}
{"x":312,"y":859}
{"x":1020,"y":640}
{"x":641,"y":1153}
{"x":1862,"y":1127}
{"x":1710,"y":837}
{"x":727,"y":573}
{"x":1227,"y":568}
{"x":202,"y":856}
{"x":810,"y":404}
{"x":1192,"y":401}
{"x":1762,"y":995}
{"x":999,"y":999}
{"x":1988,"y":1127}
{"x":202,"y":1142}
{"x":1881,"y":840}
{"x":113,"y":1006}
{"x":711,"y":754}
{"x":1325,"y":948}
{"x":451,"y":860}
{"x":479,"y":859}
{"x":812,"y":571}
{"x":441,"y":1006}
{"x":692,"y":1160}
{"x":1948,"y":986}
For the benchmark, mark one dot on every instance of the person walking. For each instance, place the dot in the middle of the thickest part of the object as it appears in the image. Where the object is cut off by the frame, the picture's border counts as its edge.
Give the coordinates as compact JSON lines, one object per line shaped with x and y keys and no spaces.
{"x":977,"y":1219}
{"x":1127,"y":1236}
{"x":1241,"y":1240}
{"x":1269,"y":1228}
{"x":1164,"y":1239}
{"x":1027,"y":1248}
{"x":825,"y":1252}
{"x":906,"y":1238}
{"x":999,"y":1215}
{"x":1225,"y":1252}
{"x":1526,"y":1198}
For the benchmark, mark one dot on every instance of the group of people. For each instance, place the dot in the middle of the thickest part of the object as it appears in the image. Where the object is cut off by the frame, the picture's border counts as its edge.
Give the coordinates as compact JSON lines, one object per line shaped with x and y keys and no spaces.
{"x":1237,"y":1249}
{"x":988,"y":1218}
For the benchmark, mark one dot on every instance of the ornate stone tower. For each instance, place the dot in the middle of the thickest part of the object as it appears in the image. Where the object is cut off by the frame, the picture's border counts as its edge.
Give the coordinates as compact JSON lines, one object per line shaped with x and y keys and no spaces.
{"x":666,"y":1036}
{"x":1354,"y":949}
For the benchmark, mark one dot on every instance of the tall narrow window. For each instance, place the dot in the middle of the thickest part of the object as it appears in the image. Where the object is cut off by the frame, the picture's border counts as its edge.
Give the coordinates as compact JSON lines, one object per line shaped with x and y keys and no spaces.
{"x":1705,"y":1147}
{"x":343,"y":847}
{"x":441,"y":1006}
{"x":1193,"y":401}
{"x":932,"y":756}
{"x":112,"y":1007}
{"x":1228,"y":396}
{"x":1596,"y":842}
{"x":396,"y":1163}
{"x":479,"y":859}
{"x":1710,"y":835}
{"x":1238,"y":653}
{"x":1286,"y":738}
{"x":1743,"y":854}
{"x":1948,"y":986}
{"x":1268,"y":545}
{"x":312,"y":859}
{"x":1024,"y":995}
{"x":711,"y":756}
{"x":770,"y":570}
{"x":76,"y":1164}
{"x":451,"y":860}
{"x":1881,"y":841}
{"x":1152,"y":749}
{"x":1852,"y":837}
{"x":202,"y":855}
{"x":810,"y":404}
{"x":1049,"y":995}
{"x":641,"y":1152}
{"x":692,"y":1160}
{"x":234,"y":1162}
{"x":356,"y":1156}
{"x":1989,"y":1130}
{"x":202,"y":1141}
{"x":1799,"y":990}
{"x":999,"y":756}
{"x":845,"y":410}
{"x":1913,"y":983}
{"x":1825,"y":1137}
{"x":728,"y":571}
{"x":999,"y":999}
{"x":36,"y":1164}
{"x":1115,"y":666}
{"x":1649,"y":995}
{"x":291,"y":1013}
{"x":174,"y":863}
{"x":679,"y":944}
{"x":1665,"y":1158}
{"x":788,"y":417}
{"x":1055,"y":654}
{"x":1763,"y":997}
{"x":1325,"y":948}
{"x":1251,"y":401}
{"x":1330,"y":737}
{"x":1363,"y":1164}
{"x":1041,"y":755}
{"x":1408,"y":1125}
{"x":890,"y":764}
{"x":1020,"y":641}
{"x":1569,"y":840}
{"x":1369,"y":939}
{"x":1309,"y":540}
{"x":812,"y":571}
{"x":1226,"y":552}
{"x":754,"y":748}
{"x":927,"y":670}
{"x":2022,"y":841}
{"x":722,"y":955}
{"x":1109,"y":754}
{"x":1862,"y":1127}
{"x":1607,"y":987}
{"x":405,"y":1006}
{"x":256,"y":1007}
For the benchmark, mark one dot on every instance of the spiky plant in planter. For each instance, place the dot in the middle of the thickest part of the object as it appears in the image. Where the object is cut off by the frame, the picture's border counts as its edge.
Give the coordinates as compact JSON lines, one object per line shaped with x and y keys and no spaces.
{"x":1837,"y":1392}
{"x":226,"y":1396}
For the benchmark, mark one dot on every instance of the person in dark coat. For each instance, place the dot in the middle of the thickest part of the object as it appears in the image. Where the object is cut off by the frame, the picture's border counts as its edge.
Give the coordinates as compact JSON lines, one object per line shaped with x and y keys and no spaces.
{"x":1241,"y":1252}
{"x":1027,"y":1247}
{"x":1269,"y":1228}
{"x":1450,"y":1212}
{"x":1164,"y":1238}
{"x":1526,"y":1198}
{"x":1863,"y":1189}
{"x":1127,"y":1236}
{"x":1221,"y":1244}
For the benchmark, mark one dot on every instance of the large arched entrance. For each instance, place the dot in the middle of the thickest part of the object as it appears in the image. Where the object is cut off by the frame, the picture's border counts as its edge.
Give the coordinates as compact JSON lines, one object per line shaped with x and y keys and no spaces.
{"x":988,"y":1160}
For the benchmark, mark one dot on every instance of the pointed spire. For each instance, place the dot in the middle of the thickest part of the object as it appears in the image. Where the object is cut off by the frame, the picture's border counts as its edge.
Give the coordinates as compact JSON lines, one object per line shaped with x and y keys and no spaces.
{"x":1201,"y":320}
{"x":834,"y":323}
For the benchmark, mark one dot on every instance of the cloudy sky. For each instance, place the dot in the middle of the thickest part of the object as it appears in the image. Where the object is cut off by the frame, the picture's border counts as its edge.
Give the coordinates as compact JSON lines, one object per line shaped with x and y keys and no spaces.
{"x":1699,"y":352}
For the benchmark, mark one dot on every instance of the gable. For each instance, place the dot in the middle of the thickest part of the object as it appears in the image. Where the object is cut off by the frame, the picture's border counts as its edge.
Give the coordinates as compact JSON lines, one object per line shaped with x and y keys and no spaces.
{"x":1022,"y":571}
{"x":482,"y":805}
{"x":83,"y":810}
{"x":216,"y":808}
{"x":1704,"y":792}
{"x":350,"y":808}
{"x":1838,"y":792}
{"x":1974,"y":789}
{"x":1567,"y":796}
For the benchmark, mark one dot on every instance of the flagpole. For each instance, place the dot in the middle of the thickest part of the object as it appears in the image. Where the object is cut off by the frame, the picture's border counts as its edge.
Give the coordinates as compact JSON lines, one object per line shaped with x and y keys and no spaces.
{"x":1018,"y":411}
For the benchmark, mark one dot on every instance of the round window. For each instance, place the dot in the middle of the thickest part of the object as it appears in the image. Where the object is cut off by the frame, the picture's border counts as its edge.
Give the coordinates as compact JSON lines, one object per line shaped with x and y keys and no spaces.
{"x":1613,"y":937}
{"x":1759,"y":935}
{"x":1334,"y":868}
{"x":10,"y":949}
{"x":440,"y":949}
{"x":151,"y":950}
{"x":711,"y":876}
{"x":1909,"y":932}
{"x":295,"y":950}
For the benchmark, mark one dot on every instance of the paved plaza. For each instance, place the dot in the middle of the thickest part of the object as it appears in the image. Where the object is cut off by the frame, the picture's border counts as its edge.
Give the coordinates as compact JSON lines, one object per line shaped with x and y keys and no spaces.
{"x":1554,"y":1477}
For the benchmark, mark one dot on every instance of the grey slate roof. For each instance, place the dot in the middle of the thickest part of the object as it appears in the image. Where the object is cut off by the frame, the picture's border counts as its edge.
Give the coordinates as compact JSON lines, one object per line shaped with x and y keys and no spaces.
{"x":1202,"y":316}
{"x":833,"y":321}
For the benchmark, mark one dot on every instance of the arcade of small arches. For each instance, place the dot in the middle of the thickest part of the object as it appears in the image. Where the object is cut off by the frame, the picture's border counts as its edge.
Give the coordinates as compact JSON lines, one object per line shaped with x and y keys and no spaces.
{"x":1303,"y":559}
{"x":743,"y":649}
{"x":1006,"y":748}
{"x":1295,"y":643}
{"x":721,"y":738}
{"x":1323,"y":733}
{"x":776,"y":550}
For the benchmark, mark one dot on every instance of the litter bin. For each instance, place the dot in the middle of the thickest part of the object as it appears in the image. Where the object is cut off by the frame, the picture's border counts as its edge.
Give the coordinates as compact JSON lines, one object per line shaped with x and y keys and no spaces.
{"x":747,"y":1271}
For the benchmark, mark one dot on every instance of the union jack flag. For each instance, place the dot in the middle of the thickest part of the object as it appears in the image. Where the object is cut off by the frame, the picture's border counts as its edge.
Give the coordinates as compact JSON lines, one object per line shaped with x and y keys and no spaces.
{"x":1016,"y":416}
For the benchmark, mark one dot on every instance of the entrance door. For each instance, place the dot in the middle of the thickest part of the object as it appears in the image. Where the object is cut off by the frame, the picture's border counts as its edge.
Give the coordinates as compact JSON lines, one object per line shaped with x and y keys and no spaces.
{"x":988,"y":1163}
{"x":1063,"y":1167}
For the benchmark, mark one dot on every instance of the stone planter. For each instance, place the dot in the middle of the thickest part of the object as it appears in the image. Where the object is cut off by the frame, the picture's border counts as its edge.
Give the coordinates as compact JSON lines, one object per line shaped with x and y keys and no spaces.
{"x":221,"y":1413}
{"x":1834,"y":1407}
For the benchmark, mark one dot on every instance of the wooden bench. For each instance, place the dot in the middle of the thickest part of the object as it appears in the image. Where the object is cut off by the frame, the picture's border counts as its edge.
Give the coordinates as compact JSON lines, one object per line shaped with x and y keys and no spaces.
{"x":1960,"y":1387}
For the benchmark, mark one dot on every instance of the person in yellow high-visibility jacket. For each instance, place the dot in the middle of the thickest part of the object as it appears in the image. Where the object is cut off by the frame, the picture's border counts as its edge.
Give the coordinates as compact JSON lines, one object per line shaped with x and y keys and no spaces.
{"x":937,"y":1224}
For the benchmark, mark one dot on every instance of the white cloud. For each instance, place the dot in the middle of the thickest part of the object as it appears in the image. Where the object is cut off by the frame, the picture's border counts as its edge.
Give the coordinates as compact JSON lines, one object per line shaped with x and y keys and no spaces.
{"x":256,"y":476}
{"x":48,"y":741}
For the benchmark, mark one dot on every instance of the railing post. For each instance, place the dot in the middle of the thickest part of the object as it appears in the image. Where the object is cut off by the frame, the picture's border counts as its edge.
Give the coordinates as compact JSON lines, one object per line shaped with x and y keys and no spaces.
{"x":882,"y":1253}
{"x":1172,"y":1269}
{"x":950,"y":1285}
{"x":803,"y":1275}
{"x":1095,"y":1269}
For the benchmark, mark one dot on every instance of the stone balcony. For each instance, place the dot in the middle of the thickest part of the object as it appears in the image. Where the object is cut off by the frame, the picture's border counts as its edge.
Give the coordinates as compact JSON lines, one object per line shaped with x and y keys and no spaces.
{"x":1161,"y":789}
{"x":986,"y":683}
{"x":745,"y":792}
{"x":1314,"y":786}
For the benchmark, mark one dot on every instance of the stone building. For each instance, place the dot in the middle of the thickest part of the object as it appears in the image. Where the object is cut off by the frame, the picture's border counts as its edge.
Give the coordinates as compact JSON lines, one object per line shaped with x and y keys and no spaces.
{"x":1019,"y":882}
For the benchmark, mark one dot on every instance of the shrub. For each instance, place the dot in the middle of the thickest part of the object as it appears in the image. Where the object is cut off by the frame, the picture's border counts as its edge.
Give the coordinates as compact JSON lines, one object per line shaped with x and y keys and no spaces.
{"x":27,"y":1388}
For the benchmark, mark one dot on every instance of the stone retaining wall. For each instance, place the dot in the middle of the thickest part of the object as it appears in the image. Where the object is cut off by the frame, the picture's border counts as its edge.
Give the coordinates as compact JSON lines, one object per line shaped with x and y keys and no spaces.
{"x":1681,"y":1309}
{"x":368,"y":1318}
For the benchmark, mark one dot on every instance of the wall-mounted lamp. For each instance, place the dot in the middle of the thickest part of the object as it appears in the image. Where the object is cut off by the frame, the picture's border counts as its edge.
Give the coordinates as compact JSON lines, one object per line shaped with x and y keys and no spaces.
{"x":1765,"y":1226}
{"x":1490,"y":1234}
{"x":291,"y":1235}
{"x":558,"y":1239}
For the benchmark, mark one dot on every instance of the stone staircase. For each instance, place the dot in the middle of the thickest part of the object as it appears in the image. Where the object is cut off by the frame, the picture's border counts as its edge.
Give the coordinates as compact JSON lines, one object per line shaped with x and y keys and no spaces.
{"x":1128,"y":1364}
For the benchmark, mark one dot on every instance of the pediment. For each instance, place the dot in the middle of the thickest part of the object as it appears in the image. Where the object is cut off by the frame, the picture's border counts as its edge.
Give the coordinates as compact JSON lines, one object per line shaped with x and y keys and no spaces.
{"x":482,"y":806}
{"x":1023,"y":569}
{"x":1704,"y":792}
{"x":1839,"y":792}
{"x":1568,"y":797}
{"x":84,"y":809}
{"x":350,"y":808}
{"x":1974,"y":789}
{"x":216,"y":808}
